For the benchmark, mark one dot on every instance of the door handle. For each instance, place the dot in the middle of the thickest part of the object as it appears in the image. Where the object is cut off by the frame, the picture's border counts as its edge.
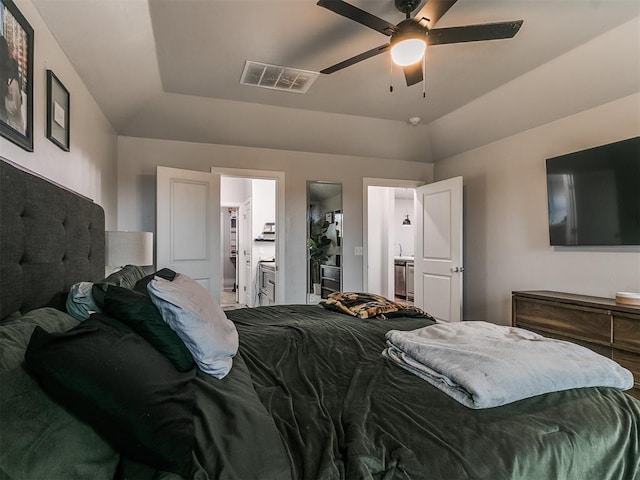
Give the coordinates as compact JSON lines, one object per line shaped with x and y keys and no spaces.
{"x":457,"y":269}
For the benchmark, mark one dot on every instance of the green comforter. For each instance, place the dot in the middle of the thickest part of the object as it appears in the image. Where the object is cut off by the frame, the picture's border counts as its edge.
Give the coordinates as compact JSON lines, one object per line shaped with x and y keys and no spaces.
{"x":311,"y":397}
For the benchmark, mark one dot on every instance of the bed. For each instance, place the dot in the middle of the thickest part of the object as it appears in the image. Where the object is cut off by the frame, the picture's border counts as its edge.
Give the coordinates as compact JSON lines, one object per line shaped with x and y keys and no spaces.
{"x":309,"y":394}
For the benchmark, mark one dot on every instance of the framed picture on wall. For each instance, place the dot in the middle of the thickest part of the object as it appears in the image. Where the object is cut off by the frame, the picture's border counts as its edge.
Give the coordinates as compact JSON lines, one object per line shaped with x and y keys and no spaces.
{"x":58,"y":112}
{"x":16,"y":76}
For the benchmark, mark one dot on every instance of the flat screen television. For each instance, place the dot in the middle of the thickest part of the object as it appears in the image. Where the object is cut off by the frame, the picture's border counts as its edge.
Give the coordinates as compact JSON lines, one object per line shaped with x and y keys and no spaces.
{"x":594,"y":196}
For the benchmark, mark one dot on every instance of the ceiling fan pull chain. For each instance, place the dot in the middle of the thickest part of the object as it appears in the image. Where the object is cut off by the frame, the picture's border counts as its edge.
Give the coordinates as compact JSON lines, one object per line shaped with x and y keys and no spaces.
{"x":424,"y":75}
{"x":391,"y":76}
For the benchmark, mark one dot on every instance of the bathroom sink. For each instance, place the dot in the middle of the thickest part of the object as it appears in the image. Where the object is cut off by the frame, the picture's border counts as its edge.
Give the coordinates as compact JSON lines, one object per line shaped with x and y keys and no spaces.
{"x":404,"y":259}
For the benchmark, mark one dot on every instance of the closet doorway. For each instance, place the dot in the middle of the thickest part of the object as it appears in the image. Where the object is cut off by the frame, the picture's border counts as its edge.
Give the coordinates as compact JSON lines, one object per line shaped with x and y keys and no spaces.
{"x":251,"y":208}
{"x":229,"y":229}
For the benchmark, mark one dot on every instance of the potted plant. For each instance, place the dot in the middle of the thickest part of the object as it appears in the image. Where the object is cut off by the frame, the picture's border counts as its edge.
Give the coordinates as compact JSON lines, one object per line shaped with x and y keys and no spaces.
{"x":318,"y":244}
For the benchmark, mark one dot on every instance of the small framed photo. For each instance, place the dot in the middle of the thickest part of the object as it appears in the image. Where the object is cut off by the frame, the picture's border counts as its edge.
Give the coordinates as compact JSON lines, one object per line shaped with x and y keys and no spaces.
{"x":16,"y":76}
{"x":58,"y":112}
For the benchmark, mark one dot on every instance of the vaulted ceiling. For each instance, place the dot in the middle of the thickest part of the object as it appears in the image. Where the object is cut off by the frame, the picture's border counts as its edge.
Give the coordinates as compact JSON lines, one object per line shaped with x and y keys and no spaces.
{"x":171,"y":69}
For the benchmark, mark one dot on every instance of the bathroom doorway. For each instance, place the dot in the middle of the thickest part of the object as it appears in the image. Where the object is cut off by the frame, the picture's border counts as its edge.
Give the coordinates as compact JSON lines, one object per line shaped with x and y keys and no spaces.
{"x":390,"y":241}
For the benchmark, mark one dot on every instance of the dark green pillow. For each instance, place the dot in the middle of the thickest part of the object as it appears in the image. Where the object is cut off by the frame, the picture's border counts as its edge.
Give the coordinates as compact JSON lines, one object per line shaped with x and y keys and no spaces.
{"x":14,"y":336}
{"x":126,"y":277}
{"x":138,"y":312}
{"x":35,"y":426}
{"x":113,"y":379}
{"x":42,"y":440}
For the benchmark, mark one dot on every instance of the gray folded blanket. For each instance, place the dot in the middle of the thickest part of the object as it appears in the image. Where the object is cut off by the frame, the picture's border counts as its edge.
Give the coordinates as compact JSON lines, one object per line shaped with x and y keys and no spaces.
{"x":483,"y":365}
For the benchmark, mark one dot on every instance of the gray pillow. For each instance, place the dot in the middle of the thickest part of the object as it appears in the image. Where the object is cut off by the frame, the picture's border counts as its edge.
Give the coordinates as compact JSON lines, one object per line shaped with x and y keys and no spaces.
{"x":199,"y":321}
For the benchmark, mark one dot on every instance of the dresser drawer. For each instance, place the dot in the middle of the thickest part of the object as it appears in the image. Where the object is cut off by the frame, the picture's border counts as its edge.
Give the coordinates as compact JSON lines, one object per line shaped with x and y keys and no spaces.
{"x":571,"y":321}
{"x":330,"y":272}
{"x":331,"y":285}
{"x":626,"y":332}
{"x":630,"y":361}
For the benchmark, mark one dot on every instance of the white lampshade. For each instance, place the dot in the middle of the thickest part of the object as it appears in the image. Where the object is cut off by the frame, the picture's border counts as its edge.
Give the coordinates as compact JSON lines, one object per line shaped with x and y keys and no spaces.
{"x":408,"y":52}
{"x":129,"y":248}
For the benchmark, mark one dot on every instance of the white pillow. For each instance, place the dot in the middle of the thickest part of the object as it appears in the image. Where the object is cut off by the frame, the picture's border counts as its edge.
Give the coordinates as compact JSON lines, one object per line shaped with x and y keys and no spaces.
{"x":198,"y":320}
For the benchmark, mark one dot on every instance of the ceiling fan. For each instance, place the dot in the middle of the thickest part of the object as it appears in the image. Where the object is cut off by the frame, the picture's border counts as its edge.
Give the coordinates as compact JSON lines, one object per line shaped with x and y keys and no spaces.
{"x":410,"y":37}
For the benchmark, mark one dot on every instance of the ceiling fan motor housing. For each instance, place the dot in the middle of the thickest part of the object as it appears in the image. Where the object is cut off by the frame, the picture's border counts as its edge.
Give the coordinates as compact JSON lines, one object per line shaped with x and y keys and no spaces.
{"x":409,"y":28}
{"x":406,"y":6}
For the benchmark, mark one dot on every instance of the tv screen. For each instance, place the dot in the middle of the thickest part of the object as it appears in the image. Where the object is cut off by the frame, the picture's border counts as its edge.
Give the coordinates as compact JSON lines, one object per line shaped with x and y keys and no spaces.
{"x":594,"y":196}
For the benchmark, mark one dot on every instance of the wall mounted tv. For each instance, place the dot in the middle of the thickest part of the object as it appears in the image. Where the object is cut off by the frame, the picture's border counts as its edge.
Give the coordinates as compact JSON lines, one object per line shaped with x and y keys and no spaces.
{"x":594,"y":196}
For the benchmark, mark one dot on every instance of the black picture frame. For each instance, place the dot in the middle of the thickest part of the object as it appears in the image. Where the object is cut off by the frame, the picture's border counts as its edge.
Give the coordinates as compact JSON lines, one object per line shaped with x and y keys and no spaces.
{"x":16,"y":76}
{"x":58,"y":112}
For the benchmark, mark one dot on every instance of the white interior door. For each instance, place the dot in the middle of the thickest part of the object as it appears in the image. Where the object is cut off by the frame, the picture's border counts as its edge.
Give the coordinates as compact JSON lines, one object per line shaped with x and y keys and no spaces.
{"x":438,"y":249}
{"x":188,"y":225}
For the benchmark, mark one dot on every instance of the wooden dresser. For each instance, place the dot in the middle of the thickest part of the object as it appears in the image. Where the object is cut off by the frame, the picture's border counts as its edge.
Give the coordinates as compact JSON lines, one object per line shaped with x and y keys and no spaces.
{"x":600,"y":324}
{"x":330,"y":279}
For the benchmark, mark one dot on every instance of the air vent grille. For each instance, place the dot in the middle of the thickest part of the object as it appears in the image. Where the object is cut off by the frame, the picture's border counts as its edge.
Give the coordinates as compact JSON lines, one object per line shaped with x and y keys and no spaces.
{"x":277,"y":78}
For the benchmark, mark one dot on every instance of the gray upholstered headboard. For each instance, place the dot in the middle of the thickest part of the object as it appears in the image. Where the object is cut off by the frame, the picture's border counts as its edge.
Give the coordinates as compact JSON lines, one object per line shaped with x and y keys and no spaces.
{"x":50,"y":238}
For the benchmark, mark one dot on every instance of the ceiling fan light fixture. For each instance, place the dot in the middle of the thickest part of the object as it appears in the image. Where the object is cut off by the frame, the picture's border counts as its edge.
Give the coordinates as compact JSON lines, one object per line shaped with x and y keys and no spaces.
{"x":408,"y":51}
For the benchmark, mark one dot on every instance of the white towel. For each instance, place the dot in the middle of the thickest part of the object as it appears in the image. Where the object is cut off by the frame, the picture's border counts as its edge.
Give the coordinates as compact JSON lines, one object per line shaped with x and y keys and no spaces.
{"x":483,"y":365}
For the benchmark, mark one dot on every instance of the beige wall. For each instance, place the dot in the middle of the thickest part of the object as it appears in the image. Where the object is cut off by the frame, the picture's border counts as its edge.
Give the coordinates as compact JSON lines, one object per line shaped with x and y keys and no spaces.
{"x":90,"y":167}
{"x":138,"y":158}
{"x":506,"y":231}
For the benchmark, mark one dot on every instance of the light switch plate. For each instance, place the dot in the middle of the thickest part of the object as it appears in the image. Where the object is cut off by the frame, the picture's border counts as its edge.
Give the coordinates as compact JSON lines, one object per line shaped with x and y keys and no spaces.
{"x":358,"y":251}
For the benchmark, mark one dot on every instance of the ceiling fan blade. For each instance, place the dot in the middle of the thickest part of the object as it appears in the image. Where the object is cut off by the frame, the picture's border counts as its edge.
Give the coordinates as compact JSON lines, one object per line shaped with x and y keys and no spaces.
{"x":413,"y":73}
{"x":357,"y":15}
{"x":434,"y":10}
{"x":358,"y":58}
{"x":473,"y":33}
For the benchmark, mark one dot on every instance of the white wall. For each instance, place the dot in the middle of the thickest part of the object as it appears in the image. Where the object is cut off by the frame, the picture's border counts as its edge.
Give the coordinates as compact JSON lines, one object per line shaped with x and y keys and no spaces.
{"x":506,"y":231}
{"x":380,"y":242}
{"x":90,"y":166}
{"x":401,"y":234}
{"x":234,"y":191}
{"x":137,"y":160}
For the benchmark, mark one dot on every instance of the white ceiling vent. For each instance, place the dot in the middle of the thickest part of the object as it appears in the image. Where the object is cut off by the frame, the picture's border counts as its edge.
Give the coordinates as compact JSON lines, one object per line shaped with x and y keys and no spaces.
{"x":277,"y":78}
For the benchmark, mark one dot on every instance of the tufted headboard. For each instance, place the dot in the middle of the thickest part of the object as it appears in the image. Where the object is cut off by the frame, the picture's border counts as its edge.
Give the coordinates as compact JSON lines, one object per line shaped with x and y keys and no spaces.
{"x":50,"y":238}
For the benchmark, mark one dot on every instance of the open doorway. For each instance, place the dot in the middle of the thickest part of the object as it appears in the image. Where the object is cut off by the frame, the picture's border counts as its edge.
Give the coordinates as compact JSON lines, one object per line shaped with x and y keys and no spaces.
{"x":390,"y":252}
{"x":389,"y":222}
{"x":438,"y":244}
{"x":249,"y":218}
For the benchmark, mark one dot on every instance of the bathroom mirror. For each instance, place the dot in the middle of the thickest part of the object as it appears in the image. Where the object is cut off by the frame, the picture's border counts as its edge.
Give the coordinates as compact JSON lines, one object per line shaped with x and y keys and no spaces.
{"x":324,"y":239}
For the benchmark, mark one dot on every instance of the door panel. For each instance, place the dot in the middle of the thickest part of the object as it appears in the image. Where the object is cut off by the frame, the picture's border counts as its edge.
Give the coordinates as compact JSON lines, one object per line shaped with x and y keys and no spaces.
{"x":191,"y":238}
{"x":188,"y":225}
{"x":438,"y":253}
{"x":437,"y":226}
{"x":437,"y":287}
